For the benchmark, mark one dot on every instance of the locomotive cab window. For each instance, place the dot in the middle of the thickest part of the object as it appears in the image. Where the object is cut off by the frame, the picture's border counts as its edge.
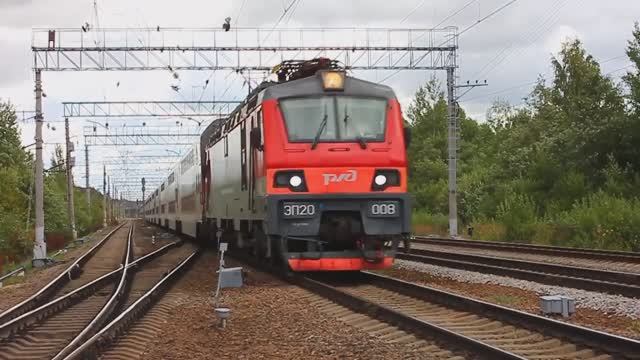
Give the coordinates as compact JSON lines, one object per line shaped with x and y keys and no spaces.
{"x":334,"y":119}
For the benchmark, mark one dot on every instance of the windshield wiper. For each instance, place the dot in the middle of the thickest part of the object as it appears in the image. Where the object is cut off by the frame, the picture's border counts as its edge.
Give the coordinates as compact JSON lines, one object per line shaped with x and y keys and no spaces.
{"x":359,"y":138}
{"x":323,"y":124}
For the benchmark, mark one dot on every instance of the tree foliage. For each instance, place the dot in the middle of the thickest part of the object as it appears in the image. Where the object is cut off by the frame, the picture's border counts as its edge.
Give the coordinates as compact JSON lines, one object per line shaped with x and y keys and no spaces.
{"x":565,"y":167}
{"x":17,"y":189}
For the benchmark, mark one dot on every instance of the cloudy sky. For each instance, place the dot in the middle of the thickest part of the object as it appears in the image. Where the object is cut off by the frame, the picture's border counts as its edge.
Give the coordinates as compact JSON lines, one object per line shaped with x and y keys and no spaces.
{"x":509,"y":49}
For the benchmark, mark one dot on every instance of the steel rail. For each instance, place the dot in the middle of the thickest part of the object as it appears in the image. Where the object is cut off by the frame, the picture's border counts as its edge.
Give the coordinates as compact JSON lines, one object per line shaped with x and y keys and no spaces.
{"x":619,"y":345}
{"x":416,"y":326}
{"x":596,"y":254}
{"x":108,"y":308}
{"x":37,"y":315}
{"x":619,"y":283}
{"x":49,"y":289}
{"x":625,"y":347}
{"x":11,"y":273}
{"x":103,"y":338}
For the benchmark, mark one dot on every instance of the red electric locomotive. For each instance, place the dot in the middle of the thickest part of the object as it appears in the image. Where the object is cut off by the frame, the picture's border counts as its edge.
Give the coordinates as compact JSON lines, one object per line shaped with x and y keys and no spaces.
{"x":310,"y":171}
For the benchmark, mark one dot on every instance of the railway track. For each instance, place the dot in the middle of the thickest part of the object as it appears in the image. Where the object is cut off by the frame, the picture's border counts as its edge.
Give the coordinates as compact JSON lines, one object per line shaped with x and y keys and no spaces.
{"x":591,"y":258}
{"x":613,"y":282}
{"x":100,"y":258}
{"x":480,"y":328}
{"x":139,"y":320}
{"x":55,"y":329}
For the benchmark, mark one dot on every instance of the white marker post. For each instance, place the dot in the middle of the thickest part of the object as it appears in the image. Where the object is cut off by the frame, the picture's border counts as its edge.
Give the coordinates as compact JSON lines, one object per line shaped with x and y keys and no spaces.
{"x":222,"y":313}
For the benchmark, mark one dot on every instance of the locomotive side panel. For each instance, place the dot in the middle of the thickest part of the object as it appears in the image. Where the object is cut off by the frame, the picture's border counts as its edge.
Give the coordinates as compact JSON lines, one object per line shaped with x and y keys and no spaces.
{"x":189,"y":192}
{"x":234,"y":194}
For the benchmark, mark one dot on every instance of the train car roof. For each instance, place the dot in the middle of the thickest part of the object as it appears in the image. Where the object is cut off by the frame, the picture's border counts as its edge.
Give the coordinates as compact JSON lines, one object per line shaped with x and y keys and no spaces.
{"x":312,"y":85}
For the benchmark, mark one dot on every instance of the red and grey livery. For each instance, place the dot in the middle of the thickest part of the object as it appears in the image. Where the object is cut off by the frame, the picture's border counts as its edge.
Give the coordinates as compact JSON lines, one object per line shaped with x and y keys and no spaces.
{"x":311,"y":172}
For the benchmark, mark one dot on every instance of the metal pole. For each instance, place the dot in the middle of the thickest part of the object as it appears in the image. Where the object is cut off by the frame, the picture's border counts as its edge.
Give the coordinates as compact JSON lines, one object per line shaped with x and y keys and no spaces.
{"x":104,"y":196}
{"x":70,"y":205}
{"x":452,"y":150}
{"x":109,"y":199}
{"x":86,"y":174}
{"x":39,"y":245}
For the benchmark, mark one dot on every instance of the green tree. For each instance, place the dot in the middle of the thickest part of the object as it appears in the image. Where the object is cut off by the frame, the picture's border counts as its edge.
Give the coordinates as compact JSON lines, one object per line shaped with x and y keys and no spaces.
{"x":15,"y":176}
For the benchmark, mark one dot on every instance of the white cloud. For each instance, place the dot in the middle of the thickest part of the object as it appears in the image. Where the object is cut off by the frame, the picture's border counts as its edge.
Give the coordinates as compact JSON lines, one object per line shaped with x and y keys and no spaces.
{"x":560,"y":35}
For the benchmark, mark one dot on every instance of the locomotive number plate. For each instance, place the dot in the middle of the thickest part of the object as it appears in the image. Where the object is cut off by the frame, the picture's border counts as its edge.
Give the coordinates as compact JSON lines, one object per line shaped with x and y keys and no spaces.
{"x":384,"y":209}
{"x":298,"y":210}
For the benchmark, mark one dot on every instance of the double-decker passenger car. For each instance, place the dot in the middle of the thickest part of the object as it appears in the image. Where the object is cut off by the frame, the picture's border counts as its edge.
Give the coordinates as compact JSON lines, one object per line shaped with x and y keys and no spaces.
{"x":310,"y":171}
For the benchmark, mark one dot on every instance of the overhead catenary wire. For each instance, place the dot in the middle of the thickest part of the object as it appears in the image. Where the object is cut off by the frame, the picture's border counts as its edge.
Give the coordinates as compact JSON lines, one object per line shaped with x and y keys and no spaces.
{"x":412,"y":11}
{"x":479,"y":21}
{"x":536,"y":81}
{"x":550,"y":18}
{"x":286,"y":9}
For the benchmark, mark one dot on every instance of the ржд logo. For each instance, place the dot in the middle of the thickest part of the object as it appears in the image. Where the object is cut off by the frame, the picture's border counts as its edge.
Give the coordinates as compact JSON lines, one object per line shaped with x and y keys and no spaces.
{"x":348,"y":176}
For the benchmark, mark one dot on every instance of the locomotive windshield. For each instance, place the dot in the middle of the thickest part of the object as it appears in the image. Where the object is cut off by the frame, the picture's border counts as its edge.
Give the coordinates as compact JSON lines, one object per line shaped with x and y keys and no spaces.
{"x":334,"y":118}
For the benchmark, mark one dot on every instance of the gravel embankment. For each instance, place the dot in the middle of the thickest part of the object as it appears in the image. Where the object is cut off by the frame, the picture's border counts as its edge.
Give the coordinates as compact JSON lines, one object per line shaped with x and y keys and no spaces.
{"x":270,"y":320}
{"x":617,"y":314}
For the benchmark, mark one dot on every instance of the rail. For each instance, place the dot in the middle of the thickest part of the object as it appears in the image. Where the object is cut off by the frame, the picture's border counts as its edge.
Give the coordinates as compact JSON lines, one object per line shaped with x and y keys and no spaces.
{"x":47,"y":290}
{"x":416,"y":326}
{"x":92,"y":347}
{"x":600,"y":340}
{"x":613,"y":282}
{"x":11,"y":273}
{"x":108,"y":308}
{"x":586,"y":253}
{"x":37,"y":315}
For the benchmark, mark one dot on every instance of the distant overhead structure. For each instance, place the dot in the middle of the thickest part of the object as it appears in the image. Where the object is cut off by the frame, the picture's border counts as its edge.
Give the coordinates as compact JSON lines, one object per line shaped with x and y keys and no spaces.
{"x":140,"y":135}
{"x":237,"y":49}
{"x":130,"y":109}
{"x":244,"y":48}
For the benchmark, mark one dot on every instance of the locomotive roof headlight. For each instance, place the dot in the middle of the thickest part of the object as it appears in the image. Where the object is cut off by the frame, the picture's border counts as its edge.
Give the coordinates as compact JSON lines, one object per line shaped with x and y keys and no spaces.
{"x":332,"y":80}
{"x":380,"y":180}
{"x":295,"y":181}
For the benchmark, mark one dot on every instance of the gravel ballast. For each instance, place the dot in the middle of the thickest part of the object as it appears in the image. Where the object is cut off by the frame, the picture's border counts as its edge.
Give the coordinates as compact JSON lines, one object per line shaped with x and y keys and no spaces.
{"x":270,"y":320}
{"x":607,"y":312}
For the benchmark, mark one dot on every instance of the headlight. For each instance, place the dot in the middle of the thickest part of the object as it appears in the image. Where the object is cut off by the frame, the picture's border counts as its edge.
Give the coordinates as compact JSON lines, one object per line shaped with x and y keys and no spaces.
{"x":380,"y":180}
{"x":295,"y":181}
{"x":292,"y":179}
{"x":384,"y":178}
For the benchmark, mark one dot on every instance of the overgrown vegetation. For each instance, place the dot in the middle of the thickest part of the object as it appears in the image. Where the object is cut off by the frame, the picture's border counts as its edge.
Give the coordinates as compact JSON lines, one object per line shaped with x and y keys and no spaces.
{"x":16,"y":199}
{"x":562,"y":169}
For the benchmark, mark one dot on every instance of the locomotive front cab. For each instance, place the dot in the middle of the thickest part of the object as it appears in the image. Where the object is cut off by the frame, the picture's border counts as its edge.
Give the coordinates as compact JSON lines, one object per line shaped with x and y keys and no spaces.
{"x":336,"y":180}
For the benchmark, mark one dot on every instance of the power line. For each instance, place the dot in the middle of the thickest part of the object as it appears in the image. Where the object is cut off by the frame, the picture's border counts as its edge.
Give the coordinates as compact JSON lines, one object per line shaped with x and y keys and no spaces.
{"x":293,"y":10}
{"x":280,"y":19}
{"x":503,"y":90}
{"x":412,"y":11}
{"x":536,"y":81}
{"x":532,"y":36}
{"x":239,"y":12}
{"x":487,"y":17}
{"x":466,"y":29}
{"x":455,"y":13}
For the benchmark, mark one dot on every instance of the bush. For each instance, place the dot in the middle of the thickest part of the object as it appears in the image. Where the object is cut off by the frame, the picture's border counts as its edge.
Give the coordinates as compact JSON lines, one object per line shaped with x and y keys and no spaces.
{"x":605,"y":221}
{"x":517,"y":213}
{"x":425,"y":223}
{"x":489,"y":231}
